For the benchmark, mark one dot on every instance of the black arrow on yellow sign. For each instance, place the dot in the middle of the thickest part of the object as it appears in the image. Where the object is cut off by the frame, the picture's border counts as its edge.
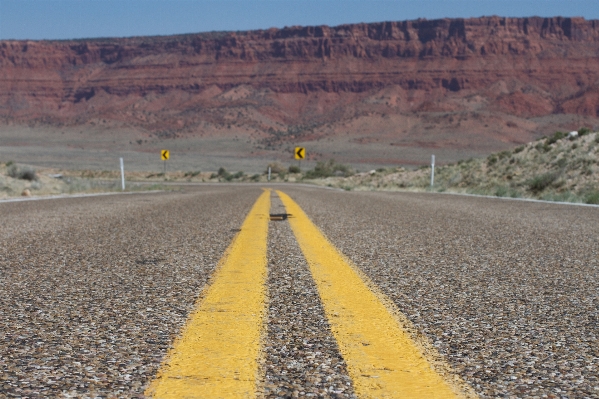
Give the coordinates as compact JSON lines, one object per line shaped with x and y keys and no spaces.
{"x":300,"y":152}
{"x":164,"y":155}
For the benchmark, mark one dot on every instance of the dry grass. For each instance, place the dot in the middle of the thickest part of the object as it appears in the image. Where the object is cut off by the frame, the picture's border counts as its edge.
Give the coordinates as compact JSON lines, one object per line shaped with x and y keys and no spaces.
{"x":555,"y":168}
{"x":20,"y":180}
{"x":49,"y":181}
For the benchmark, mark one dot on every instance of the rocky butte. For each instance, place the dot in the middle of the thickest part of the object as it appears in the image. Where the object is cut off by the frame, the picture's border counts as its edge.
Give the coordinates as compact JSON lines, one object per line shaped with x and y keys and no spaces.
{"x":463,"y":86}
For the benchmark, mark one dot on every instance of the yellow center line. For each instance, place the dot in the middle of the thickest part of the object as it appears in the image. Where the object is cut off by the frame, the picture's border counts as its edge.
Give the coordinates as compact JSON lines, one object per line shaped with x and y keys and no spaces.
{"x":382,"y":359}
{"x":217,"y":355}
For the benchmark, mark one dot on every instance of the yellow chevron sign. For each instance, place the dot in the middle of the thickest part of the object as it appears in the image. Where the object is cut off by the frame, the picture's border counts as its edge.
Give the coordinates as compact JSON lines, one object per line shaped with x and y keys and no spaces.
{"x":164,"y":155}
{"x":300,"y":152}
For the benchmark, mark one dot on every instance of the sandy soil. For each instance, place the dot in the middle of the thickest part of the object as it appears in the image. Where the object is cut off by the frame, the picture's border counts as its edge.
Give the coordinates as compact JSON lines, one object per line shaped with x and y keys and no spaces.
{"x":364,"y":141}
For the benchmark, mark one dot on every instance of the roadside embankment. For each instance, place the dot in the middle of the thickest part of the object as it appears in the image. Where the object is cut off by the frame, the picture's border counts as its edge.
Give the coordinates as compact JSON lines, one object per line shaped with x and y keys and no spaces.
{"x":555,"y":168}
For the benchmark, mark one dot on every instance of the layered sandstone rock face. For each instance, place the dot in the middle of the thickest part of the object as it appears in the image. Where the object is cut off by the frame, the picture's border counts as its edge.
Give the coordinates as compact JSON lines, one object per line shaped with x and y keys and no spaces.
{"x":524,"y":67}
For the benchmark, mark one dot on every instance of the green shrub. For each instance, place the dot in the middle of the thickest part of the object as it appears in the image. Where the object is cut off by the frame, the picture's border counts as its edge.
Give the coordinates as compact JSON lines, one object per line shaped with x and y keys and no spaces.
{"x":501,"y":191}
{"x":539,"y":147}
{"x":556,"y":136}
{"x":21,"y":173}
{"x":275,"y":168}
{"x":491,"y":160}
{"x":28,"y":174}
{"x":519,"y":149}
{"x":583,"y":131}
{"x":541,"y":182}
{"x":504,"y":154}
{"x":222,"y":173}
{"x":12,"y":171}
{"x":592,"y":198}
{"x":327,"y":169}
{"x":294,"y":169}
{"x":546,"y":147}
{"x":255,"y":177}
{"x":562,"y":162}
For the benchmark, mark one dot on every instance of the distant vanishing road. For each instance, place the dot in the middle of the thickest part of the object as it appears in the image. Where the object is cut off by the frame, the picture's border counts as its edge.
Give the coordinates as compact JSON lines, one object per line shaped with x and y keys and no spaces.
{"x":291,"y":291}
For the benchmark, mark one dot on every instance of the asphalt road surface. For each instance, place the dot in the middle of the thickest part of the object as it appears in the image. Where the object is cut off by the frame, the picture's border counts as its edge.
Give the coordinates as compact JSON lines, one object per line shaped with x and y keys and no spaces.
{"x":95,"y":291}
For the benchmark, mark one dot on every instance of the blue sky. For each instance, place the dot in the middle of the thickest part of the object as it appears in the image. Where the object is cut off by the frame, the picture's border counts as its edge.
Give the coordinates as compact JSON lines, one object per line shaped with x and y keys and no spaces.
{"x":69,"y":19}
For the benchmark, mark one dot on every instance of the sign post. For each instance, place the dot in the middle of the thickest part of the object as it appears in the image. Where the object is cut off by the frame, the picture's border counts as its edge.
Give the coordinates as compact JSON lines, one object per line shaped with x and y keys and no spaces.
{"x":300,"y":153}
{"x":122,"y":175}
{"x":165,"y":155}
{"x":432,"y":171}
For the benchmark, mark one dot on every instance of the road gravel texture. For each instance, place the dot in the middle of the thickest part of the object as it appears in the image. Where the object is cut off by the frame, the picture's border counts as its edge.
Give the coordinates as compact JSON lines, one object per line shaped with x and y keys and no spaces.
{"x":94,"y":290}
{"x":507,"y":291}
{"x":301,"y":355}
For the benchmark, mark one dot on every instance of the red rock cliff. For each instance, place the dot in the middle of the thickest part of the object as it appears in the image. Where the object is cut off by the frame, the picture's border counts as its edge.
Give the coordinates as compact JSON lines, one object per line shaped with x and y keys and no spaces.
{"x":524,"y":66}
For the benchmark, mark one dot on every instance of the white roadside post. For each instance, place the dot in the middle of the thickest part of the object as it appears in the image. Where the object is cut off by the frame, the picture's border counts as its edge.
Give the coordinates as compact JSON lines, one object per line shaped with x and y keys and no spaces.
{"x":269,"y":173}
{"x":122,"y":175}
{"x":432,"y":171}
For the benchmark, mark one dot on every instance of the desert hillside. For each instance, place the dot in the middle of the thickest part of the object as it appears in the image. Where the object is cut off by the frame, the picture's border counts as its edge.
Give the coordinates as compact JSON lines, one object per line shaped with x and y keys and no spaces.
{"x":561,"y":167}
{"x":381,"y":93}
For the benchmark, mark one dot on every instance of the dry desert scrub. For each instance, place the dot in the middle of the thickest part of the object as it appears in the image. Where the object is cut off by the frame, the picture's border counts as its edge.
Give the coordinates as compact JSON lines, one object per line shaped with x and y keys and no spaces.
{"x":557,"y":168}
{"x":17,"y":180}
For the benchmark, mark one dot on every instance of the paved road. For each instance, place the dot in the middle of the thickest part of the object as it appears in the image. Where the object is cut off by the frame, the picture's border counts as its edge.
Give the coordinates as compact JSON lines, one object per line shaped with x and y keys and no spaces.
{"x":94,"y":291}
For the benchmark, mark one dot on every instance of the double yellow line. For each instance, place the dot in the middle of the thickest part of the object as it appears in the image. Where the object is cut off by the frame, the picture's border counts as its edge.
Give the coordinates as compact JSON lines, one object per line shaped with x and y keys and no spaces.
{"x":218,"y":353}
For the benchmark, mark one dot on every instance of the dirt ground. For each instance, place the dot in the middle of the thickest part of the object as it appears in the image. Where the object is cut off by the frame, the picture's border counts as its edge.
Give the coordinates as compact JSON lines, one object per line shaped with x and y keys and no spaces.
{"x":365,"y":143}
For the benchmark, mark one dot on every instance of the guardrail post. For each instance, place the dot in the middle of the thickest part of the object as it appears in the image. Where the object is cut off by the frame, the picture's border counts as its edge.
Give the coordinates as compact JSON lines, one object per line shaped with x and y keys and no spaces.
{"x":122,"y":175}
{"x":433,"y":171}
